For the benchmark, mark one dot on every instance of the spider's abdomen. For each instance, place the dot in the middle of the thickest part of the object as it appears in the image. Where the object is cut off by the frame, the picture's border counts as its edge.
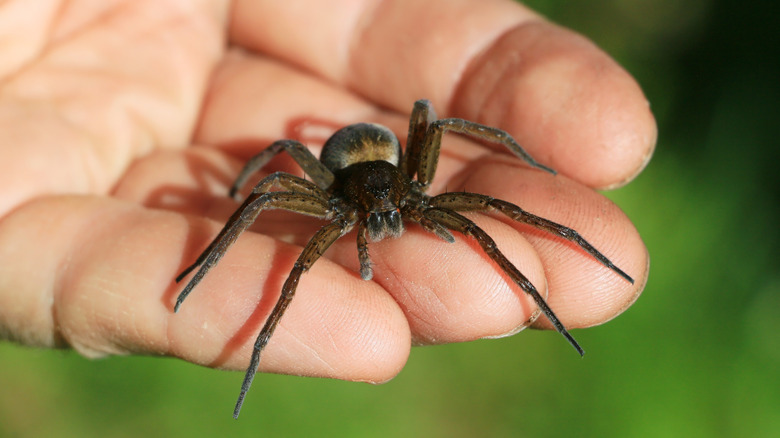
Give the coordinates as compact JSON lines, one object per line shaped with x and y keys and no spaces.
{"x":359,"y":143}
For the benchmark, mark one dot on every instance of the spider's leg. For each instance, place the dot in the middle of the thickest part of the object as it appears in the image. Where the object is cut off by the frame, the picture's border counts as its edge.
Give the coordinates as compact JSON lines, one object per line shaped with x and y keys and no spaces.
{"x":422,"y":116}
{"x":429,"y":153}
{"x":457,"y":222}
{"x":366,"y":271}
{"x":416,"y":215}
{"x":290,"y":183}
{"x":308,"y":162}
{"x":412,"y":214}
{"x":465,"y":201}
{"x":241,"y":220}
{"x":311,"y":252}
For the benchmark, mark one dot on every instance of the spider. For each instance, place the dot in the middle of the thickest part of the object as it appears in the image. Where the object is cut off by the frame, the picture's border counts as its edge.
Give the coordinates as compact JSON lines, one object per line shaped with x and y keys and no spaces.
{"x":362,"y":179}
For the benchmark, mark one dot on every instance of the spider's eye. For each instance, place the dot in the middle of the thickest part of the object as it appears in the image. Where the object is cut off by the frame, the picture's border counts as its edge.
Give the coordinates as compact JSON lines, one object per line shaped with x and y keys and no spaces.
{"x":384,"y":224}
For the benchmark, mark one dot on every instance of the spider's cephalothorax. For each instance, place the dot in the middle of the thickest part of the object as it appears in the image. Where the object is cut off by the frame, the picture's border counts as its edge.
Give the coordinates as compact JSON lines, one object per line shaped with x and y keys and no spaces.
{"x":363,"y":180}
{"x":364,"y":159}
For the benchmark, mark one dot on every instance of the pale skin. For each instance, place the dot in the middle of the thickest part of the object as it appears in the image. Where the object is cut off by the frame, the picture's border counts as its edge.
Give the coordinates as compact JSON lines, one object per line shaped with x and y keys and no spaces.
{"x":119,"y":135}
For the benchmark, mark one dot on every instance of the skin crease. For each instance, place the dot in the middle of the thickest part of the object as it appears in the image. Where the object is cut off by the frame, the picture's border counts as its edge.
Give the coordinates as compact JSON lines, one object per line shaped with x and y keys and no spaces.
{"x":126,"y":170}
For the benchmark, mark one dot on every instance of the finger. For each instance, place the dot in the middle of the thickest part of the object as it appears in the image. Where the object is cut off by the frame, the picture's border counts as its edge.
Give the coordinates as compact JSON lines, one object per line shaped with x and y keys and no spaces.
{"x":100,"y":279}
{"x":109,"y":84}
{"x":262,"y":100}
{"x":566,"y":101}
{"x":410,"y":40}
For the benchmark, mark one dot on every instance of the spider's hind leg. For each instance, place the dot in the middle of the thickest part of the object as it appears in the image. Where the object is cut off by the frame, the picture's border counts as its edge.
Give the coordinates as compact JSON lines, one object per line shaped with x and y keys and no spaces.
{"x":431,"y":145}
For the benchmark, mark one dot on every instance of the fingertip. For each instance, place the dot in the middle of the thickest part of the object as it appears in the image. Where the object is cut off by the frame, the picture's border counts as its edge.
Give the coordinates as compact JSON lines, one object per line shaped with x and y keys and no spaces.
{"x":583,"y":291}
{"x":566,"y":101}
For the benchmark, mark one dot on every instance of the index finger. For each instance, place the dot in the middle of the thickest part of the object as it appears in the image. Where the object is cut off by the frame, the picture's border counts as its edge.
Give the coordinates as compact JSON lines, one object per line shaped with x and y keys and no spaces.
{"x":494,"y":62}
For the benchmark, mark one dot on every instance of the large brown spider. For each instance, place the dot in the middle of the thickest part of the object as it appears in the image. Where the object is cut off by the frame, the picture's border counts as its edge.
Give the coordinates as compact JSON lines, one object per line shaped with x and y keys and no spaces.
{"x":362,"y":179}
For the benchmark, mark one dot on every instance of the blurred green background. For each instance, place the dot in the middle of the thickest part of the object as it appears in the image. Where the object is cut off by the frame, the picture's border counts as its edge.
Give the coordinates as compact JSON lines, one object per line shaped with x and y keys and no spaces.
{"x":697,"y":356}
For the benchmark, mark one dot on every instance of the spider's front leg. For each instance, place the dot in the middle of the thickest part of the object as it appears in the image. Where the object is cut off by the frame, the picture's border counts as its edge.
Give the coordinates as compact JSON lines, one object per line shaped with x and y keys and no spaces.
{"x":424,"y":141}
{"x":422,"y":117}
{"x":366,"y":271}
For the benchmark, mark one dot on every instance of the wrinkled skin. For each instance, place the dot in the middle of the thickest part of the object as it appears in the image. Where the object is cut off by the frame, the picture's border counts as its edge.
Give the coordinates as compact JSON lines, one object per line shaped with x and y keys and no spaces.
{"x":122,"y":123}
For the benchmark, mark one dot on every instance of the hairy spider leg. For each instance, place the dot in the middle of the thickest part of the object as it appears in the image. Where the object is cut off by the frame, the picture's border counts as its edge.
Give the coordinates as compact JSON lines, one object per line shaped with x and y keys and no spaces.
{"x":318,"y":244}
{"x":366,"y":270}
{"x":415,"y":214}
{"x":422,"y":116}
{"x":465,"y":226}
{"x":304,"y":197}
{"x":303,"y":156}
{"x":409,"y":213}
{"x":429,"y":151}
{"x":466,"y":201}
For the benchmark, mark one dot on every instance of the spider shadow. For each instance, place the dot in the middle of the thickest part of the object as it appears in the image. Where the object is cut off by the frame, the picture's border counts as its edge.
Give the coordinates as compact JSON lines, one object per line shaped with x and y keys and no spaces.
{"x":191,"y":200}
{"x":270,"y":291}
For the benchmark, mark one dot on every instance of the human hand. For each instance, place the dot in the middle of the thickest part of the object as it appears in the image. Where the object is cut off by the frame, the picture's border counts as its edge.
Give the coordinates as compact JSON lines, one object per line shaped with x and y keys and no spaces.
{"x":106,"y":113}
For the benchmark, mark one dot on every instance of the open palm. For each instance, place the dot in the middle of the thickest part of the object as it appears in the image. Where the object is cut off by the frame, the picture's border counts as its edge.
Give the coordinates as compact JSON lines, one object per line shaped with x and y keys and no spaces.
{"x":123,"y":123}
